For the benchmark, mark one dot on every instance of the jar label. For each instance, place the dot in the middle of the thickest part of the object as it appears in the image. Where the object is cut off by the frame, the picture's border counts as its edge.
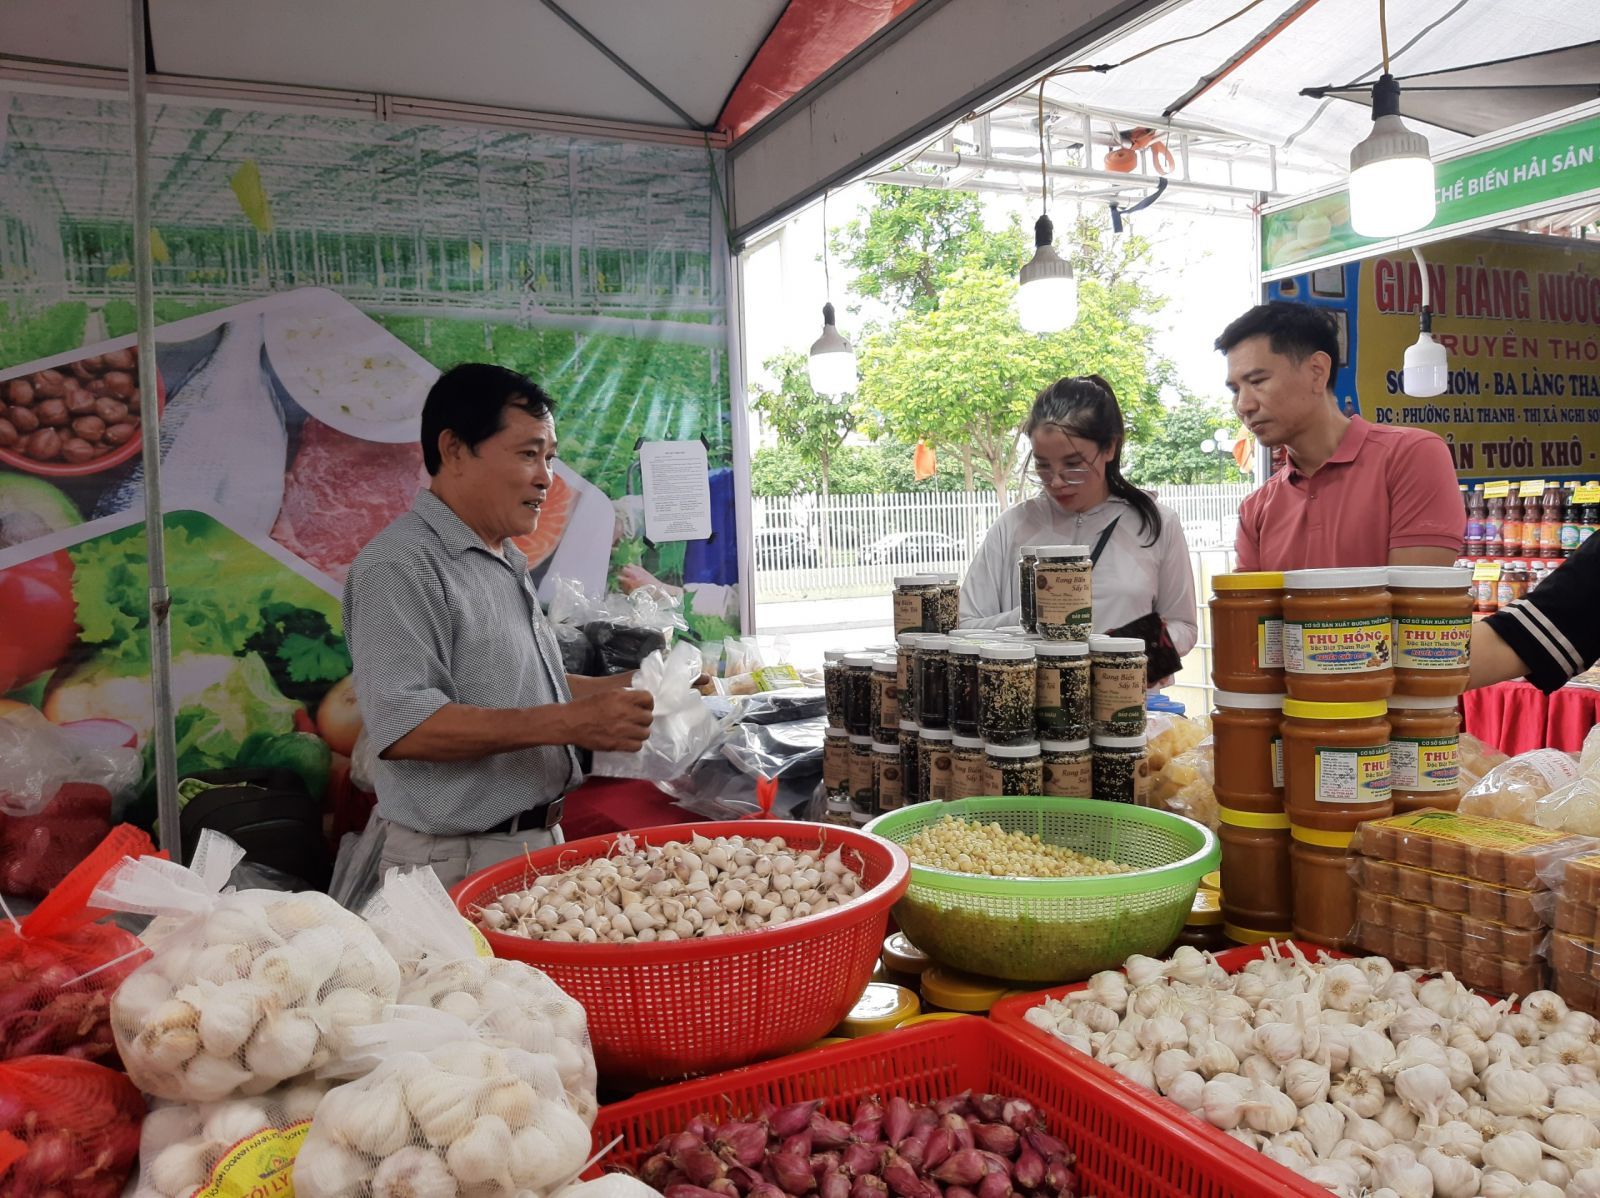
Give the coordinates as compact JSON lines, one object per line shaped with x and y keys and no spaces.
{"x":937,"y":766}
{"x":1269,"y":643}
{"x":1337,"y":646}
{"x":890,"y":785}
{"x":1432,"y":642}
{"x":835,"y":762}
{"x":1049,"y":688}
{"x":907,"y":612}
{"x":1061,"y":598}
{"x":861,"y":781}
{"x":1118,"y":695}
{"x":1277,"y":762}
{"x":967,"y":776}
{"x":992,"y":782}
{"x":888,"y":701}
{"x":1353,"y":775}
{"x":1141,"y":782}
{"x":1070,"y":779}
{"x":1428,"y":765}
{"x":902,"y":675}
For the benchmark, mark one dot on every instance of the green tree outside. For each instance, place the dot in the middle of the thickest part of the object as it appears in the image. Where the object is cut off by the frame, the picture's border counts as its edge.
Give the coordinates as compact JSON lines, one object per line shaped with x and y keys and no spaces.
{"x":1171,"y":452}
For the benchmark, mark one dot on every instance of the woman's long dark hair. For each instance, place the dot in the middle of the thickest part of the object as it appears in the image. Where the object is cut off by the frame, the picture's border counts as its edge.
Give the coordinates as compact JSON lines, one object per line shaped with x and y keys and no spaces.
{"x":1085,"y":406}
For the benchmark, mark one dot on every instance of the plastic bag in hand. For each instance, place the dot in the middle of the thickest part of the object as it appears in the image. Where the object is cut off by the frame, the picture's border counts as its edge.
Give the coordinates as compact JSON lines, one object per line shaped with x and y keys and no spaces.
{"x":441,"y":1112}
{"x":243,"y":990}
{"x":445,"y":964}
{"x":236,"y":1146}
{"x":681,"y":728}
{"x":66,"y":1128}
{"x":1511,"y":789}
{"x":59,"y":966}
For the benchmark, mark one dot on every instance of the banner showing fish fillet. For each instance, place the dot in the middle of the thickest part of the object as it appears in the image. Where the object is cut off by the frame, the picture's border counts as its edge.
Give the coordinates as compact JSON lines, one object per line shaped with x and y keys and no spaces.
{"x":314,"y":275}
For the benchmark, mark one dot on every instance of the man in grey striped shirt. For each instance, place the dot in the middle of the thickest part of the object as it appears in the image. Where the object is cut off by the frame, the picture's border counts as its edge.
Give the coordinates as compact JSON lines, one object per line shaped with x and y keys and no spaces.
{"x":457,"y":672}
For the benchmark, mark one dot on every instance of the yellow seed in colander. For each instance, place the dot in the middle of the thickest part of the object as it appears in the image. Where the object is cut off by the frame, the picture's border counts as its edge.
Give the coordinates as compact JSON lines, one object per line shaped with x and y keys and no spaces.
{"x":988,"y":849}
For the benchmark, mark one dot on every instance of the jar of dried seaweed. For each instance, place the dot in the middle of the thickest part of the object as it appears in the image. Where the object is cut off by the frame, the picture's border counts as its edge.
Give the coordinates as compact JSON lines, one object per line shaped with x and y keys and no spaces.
{"x":1013,"y":769}
{"x":1121,"y":769}
{"x":1061,"y":704}
{"x":1068,"y":768}
{"x":885,"y":698}
{"x":1008,"y":686}
{"x":915,"y":601}
{"x":1028,"y":559}
{"x":967,"y":777}
{"x":933,"y":687}
{"x":858,"y":693}
{"x":863,"y":781}
{"x":1063,"y":595}
{"x":888,"y":777}
{"x":961,"y":681}
{"x":1117,"y":685}
{"x":834,"y":685}
{"x":947,"y":603}
{"x":933,"y":765}
{"x":909,"y":792}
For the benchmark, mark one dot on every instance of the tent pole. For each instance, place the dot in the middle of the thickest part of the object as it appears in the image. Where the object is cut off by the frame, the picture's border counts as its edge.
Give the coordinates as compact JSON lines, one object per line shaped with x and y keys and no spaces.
{"x":162,"y":731}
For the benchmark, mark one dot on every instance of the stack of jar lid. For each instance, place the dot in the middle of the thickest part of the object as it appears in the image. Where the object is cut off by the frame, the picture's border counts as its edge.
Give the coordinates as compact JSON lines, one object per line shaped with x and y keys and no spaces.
{"x":1336,"y":703}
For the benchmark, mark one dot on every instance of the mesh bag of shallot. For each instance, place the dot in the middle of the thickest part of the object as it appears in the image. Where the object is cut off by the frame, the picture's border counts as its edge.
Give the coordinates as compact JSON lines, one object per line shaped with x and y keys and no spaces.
{"x":66,"y":1128}
{"x":441,"y":1111}
{"x":235,"y":1146}
{"x":445,"y":964}
{"x":243,"y":989}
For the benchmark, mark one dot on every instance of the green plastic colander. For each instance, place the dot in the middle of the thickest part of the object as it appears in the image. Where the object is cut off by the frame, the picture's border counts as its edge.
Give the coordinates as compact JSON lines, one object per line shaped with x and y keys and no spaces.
{"x":1054,"y":929}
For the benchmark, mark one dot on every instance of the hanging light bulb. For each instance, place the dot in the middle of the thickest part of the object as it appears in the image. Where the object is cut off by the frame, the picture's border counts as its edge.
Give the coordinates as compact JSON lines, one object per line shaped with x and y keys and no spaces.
{"x":1391,"y":175}
{"x":833,"y":362}
{"x":1047,"y":298}
{"x":1427,"y":367}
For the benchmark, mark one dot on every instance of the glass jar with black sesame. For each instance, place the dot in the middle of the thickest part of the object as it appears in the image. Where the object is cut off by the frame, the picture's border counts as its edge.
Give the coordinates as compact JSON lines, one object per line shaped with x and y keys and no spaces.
{"x":863,"y":781}
{"x":1068,"y":768}
{"x":1121,"y":769}
{"x":933,"y":695}
{"x":834,"y":685}
{"x":909,"y":792}
{"x":915,"y":603}
{"x":1061,"y":703}
{"x":1063,"y":593}
{"x":888,"y":777}
{"x":962,"y":684}
{"x":1028,"y":559}
{"x":1008,"y":687}
{"x":947,"y":603}
{"x":1013,"y":769}
{"x":836,"y":761}
{"x":933,"y":764}
{"x":967,"y":777}
{"x":1118,"y":685}
{"x":858,"y":693}
{"x":910,"y":673}
{"x":885,"y":698}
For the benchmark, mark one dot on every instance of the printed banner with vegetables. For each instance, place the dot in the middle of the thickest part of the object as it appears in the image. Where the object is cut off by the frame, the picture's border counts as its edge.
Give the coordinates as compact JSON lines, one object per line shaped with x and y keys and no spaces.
{"x":313,"y":277}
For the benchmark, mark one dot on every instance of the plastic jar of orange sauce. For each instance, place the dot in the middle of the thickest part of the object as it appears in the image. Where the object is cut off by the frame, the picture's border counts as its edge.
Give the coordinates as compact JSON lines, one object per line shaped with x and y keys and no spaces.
{"x":1338,"y":635}
{"x":1247,"y":633}
{"x":1252,"y":827}
{"x":1432,"y":629}
{"x":1425,"y":752}
{"x":1336,"y":776}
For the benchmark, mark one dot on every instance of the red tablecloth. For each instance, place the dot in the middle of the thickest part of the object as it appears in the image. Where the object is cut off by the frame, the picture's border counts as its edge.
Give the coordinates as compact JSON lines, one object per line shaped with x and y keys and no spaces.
{"x":1515,"y":717}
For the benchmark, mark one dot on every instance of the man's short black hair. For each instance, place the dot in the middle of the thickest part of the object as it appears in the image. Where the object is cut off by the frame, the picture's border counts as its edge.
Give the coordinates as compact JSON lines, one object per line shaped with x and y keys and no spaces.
{"x":470,"y":401}
{"x":1294,"y":330}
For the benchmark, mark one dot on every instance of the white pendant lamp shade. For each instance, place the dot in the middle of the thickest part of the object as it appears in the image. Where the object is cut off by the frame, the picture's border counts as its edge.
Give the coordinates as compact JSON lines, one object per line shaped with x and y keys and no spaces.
{"x":1391,"y":175}
{"x":1047,"y":298}
{"x":1427,"y":369}
{"x":833,"y":362}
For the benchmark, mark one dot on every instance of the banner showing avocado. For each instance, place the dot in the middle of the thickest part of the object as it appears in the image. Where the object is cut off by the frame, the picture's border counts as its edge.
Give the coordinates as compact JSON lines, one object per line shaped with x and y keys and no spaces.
{"x":313,"y":277}
{"x":1519,"y":317}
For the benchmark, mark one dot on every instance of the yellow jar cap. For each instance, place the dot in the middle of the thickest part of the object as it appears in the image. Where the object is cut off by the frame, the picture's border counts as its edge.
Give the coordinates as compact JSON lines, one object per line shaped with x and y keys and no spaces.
{"x":1251,"y":935}
{"x":933,"y":1017}
{"x":881,"y":1006}
{"x":826,"y":1041}
{"x":954,"y":991}
{"x":1207,"y":909}
{"x":1212,"y":881}
{"x":1250,"y":580}
{"x":901,"y":956}
{"x":1301,"y":710}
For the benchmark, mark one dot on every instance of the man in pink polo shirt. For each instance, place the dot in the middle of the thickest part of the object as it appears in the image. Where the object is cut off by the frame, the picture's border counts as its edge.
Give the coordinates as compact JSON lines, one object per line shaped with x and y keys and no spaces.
{"x":1352,"y":493}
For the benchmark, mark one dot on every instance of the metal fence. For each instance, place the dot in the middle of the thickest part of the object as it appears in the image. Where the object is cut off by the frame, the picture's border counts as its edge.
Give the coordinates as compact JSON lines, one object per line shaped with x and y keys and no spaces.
{"x":854,"y":545}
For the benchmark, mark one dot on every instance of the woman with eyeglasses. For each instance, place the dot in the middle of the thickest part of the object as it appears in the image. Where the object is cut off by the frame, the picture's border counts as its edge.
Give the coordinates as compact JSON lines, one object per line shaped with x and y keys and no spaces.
{"x":1143,"y":583}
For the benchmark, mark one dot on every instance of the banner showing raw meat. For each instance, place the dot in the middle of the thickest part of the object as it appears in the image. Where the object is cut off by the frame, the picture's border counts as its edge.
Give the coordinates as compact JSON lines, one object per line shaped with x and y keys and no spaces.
{"x":313,"y":277}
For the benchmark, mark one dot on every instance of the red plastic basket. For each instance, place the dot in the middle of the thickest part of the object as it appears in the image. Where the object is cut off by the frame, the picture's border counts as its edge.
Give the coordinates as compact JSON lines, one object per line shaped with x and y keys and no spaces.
{"x":659,"y":1012}
{"x":1123,"y":1152}
{"x":1165,"y":1122}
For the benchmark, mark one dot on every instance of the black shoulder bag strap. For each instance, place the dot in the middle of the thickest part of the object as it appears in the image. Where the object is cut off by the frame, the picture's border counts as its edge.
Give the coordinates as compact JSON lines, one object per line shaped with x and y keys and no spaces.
{"x":1100,"y":545}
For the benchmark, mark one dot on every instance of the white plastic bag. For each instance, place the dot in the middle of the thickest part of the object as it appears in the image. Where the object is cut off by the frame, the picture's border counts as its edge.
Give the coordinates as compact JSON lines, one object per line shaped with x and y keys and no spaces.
{"x":681,"y":729}
{"x":445,"y":964}
{"x":244,"y":989}
{"x":1575,"y":807}
{"x":37,"y":759}
{"x":441,"y":1112}
{"x":1512,"y":789}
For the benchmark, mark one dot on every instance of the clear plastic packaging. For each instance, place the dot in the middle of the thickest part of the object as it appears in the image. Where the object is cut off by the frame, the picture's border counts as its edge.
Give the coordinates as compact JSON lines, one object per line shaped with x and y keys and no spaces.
{"x":37,"y":759}
{"x":681,"y":727}
{"x":1451,"y":892}
{"x":1496,"y":852}
{"x":1511,"y":790}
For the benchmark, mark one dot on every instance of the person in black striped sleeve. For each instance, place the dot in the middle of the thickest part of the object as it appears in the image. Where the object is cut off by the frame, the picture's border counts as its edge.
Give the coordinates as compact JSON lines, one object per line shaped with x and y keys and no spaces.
{"x":1549,"y":637}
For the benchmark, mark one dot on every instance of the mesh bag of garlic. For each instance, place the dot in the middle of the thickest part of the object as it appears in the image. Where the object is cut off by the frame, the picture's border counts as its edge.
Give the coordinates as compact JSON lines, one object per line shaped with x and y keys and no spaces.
{"x":442,"y":1113}
{"x":243,"y":990}
{"x":231,"y":1146}
{"x":445,"y":964}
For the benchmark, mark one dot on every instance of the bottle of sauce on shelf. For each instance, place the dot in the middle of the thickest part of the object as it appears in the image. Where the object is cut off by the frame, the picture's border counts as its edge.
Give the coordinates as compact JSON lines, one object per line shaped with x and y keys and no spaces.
{"x":1477,"y":509}
{"x":1514,"y":526}
{"x":1550,"y":522}
{"x":1494,"y":528}
{"x":1336,"y":776}
{"x":1571,"y":519}
{"x":1589,"y":517}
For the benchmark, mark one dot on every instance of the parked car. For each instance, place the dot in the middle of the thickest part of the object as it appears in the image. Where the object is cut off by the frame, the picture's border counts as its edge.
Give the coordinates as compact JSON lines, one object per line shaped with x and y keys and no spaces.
{"x":784,"y":549}
{"x":913,"y":547}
